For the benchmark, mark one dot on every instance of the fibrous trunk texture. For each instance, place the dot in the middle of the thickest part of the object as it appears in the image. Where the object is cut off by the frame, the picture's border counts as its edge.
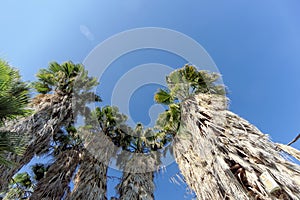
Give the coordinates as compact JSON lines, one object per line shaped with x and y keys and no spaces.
{"x":138,"y":176}
{"x":55,"y":185}
{"x":223,"y":156}
{"x":90,"y":180}
{"x":51,"y":112}
{"x":137,"y":186}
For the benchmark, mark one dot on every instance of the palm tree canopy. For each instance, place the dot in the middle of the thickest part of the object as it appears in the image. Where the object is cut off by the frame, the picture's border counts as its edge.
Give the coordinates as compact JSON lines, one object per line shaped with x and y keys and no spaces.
{"x":182,"y":84}
{"x":63,"y":77}
{"x":14,"y":94}
{"x":69,"y":80}
{"x":187,"y":81}
{"x":138,"y":164}
{"x":14,"y":97}
{"x":109,"y":121}
{"x":66,"y":89}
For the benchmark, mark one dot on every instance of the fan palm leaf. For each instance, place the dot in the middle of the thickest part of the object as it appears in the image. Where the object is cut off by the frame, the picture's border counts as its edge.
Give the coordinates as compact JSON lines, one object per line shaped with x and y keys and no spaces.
{"x":14,"y":97}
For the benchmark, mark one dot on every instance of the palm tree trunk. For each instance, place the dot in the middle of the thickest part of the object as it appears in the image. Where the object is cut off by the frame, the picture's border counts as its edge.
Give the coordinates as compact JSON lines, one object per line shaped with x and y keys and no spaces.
{"x":55,"y":185}
{"x":90,"y":180}
{"x":222,"y":156}
{"x":137,"y":186}
{"x":138,"y":176}
{"x":52,"y":112}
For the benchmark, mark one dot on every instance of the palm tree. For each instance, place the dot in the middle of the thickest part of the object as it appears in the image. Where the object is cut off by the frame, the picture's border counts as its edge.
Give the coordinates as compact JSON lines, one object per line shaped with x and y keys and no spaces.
{"x":139,"y":161}
{"x":107,"y":133}
{"x":221,"y":155}
{"x":182,"y":84}
{"x":90,"y":180}
{"x":14,"y":97}
{"x":68,"y":81}
{"x":58,"y":85}
{"x":102,"y":135}
{"x":49,"y":115}
{"x":55,"y":185}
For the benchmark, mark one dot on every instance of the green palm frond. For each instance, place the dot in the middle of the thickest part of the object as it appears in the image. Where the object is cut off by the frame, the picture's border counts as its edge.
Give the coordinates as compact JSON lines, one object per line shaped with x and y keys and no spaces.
{"x":188,"y":81}
{"x":23,"y":179}
{"x":169,"y":120}
{"x":20,"y":187}
{"x":65,"y":78}
{"x":14,"y":97}
{"x":14,"y":94}
{"x":10,"y":142}
{"x":54,"y":67}
{"x":163,"y":97}
{"x":182,"y":84}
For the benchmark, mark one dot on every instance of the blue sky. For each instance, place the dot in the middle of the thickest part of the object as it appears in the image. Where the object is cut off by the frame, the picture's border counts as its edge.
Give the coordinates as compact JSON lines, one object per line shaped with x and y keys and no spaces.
{"x":255,"y":44}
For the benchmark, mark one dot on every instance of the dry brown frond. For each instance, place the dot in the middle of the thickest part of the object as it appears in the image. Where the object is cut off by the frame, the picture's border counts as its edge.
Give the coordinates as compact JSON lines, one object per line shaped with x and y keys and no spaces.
{"x":56,"y":182}
{"x":289,"y":150}
{"x":52,"y":113}
{"x":223,"y":156}
{"x":137,"y":186}
{"x":90,"y":180}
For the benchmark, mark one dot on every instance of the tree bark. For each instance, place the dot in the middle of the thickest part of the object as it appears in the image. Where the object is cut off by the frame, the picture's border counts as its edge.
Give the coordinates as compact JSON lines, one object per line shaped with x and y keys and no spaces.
{"x":55,"y":185}
{"x":51,"y":113}
{"x":90,"y":180}
{"x":222,"y":156}
{"x":138,"y":176}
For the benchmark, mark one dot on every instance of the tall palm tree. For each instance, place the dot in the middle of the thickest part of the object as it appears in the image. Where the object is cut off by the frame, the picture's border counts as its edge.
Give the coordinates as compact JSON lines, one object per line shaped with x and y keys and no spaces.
{"x":182,"y":84}
{"x":38,"y":128}
{"x":58,"y":84}
{"x":221,"y":155}
{"x":114,"y":134}
{"x":102,"y":131}
{"x":65,"y":149}
{"x":90,"y":180}
{"x":66,"y":80}
{"x":139,"y":162}
{"x":14,"y":97}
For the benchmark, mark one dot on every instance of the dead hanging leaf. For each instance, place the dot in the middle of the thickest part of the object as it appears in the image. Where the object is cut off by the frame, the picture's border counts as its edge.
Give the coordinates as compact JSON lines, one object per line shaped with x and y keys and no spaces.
{"x":224,"y":136}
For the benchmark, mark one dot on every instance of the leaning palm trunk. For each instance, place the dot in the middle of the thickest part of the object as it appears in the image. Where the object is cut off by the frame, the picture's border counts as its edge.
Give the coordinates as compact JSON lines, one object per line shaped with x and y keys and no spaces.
{"x":55,"y":185}
{"x":137,"y":186}
{"x":52,"y":112}
{"x":138,"y":177}
{"x":90,"y":180}
{"x":222,"y":156}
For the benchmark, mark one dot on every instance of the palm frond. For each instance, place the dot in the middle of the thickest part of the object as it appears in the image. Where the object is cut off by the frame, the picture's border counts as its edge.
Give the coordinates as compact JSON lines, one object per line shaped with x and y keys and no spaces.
{"x":14,"y":94}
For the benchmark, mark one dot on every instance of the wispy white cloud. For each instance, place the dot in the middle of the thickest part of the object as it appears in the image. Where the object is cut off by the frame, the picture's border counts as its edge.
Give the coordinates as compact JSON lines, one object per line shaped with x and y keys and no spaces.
{"x":86,"y":32}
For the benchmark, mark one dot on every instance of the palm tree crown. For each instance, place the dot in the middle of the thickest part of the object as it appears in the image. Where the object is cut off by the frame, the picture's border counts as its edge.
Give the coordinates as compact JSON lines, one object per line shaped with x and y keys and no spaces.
{"x":62,"y":78}
{"x":14,"y":94}
{"x":14,"y":97}
{"x":182,"y":84}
